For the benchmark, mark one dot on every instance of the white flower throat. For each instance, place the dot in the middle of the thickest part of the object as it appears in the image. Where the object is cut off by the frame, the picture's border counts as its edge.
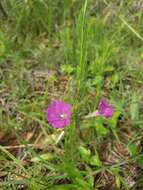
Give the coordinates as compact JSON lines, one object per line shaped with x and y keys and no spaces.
{"x":63,"y":116}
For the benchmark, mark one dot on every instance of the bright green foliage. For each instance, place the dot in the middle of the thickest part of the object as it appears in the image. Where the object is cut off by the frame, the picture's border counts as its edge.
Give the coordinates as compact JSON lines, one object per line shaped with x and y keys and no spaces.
{"x":78,"y":51}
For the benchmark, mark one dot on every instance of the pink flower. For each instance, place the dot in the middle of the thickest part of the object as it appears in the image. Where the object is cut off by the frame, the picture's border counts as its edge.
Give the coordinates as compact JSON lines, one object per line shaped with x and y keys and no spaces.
{"x":59,"y":114}
{"x":104,"y":109}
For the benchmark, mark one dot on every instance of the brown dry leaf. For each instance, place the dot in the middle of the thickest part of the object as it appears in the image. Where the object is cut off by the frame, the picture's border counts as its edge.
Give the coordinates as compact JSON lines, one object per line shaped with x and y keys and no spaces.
{"x":45,"y":141}
{"x":3,"y":174}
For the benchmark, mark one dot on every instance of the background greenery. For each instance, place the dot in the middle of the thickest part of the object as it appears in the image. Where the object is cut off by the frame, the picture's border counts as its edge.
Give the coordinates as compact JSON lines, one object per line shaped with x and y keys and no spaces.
{"x":78,"y":51}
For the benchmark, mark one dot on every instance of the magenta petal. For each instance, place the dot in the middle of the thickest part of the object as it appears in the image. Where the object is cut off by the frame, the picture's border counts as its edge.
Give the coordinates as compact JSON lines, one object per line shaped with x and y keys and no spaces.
{"x":58,"y":124}
{"x":67,"y":122}
{"x":105,"y":109}
{"x":108,"y":112}
{"x":59,"y":114}
{"x":67,"y":109}
{"x":103,"y":104}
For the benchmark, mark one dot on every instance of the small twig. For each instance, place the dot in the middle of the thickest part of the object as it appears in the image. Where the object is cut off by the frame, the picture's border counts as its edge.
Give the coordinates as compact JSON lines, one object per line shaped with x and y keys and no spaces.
{"x":38,"y":138}
{"x":127,"y":161}
{"x":60,"y":137}
{"x":20,"y":146}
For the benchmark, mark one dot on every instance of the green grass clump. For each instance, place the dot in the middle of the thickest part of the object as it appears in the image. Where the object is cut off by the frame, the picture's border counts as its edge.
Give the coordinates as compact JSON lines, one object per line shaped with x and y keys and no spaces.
{"x":78,"y":51}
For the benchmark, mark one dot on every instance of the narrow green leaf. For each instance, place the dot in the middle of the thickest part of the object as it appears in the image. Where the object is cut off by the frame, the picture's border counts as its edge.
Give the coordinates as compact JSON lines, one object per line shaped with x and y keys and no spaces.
{"x":134,"y":107}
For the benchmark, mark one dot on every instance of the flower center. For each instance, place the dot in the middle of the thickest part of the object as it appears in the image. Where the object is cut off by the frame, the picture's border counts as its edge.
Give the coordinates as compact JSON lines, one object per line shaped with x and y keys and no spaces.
{"x":63,"y":116}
